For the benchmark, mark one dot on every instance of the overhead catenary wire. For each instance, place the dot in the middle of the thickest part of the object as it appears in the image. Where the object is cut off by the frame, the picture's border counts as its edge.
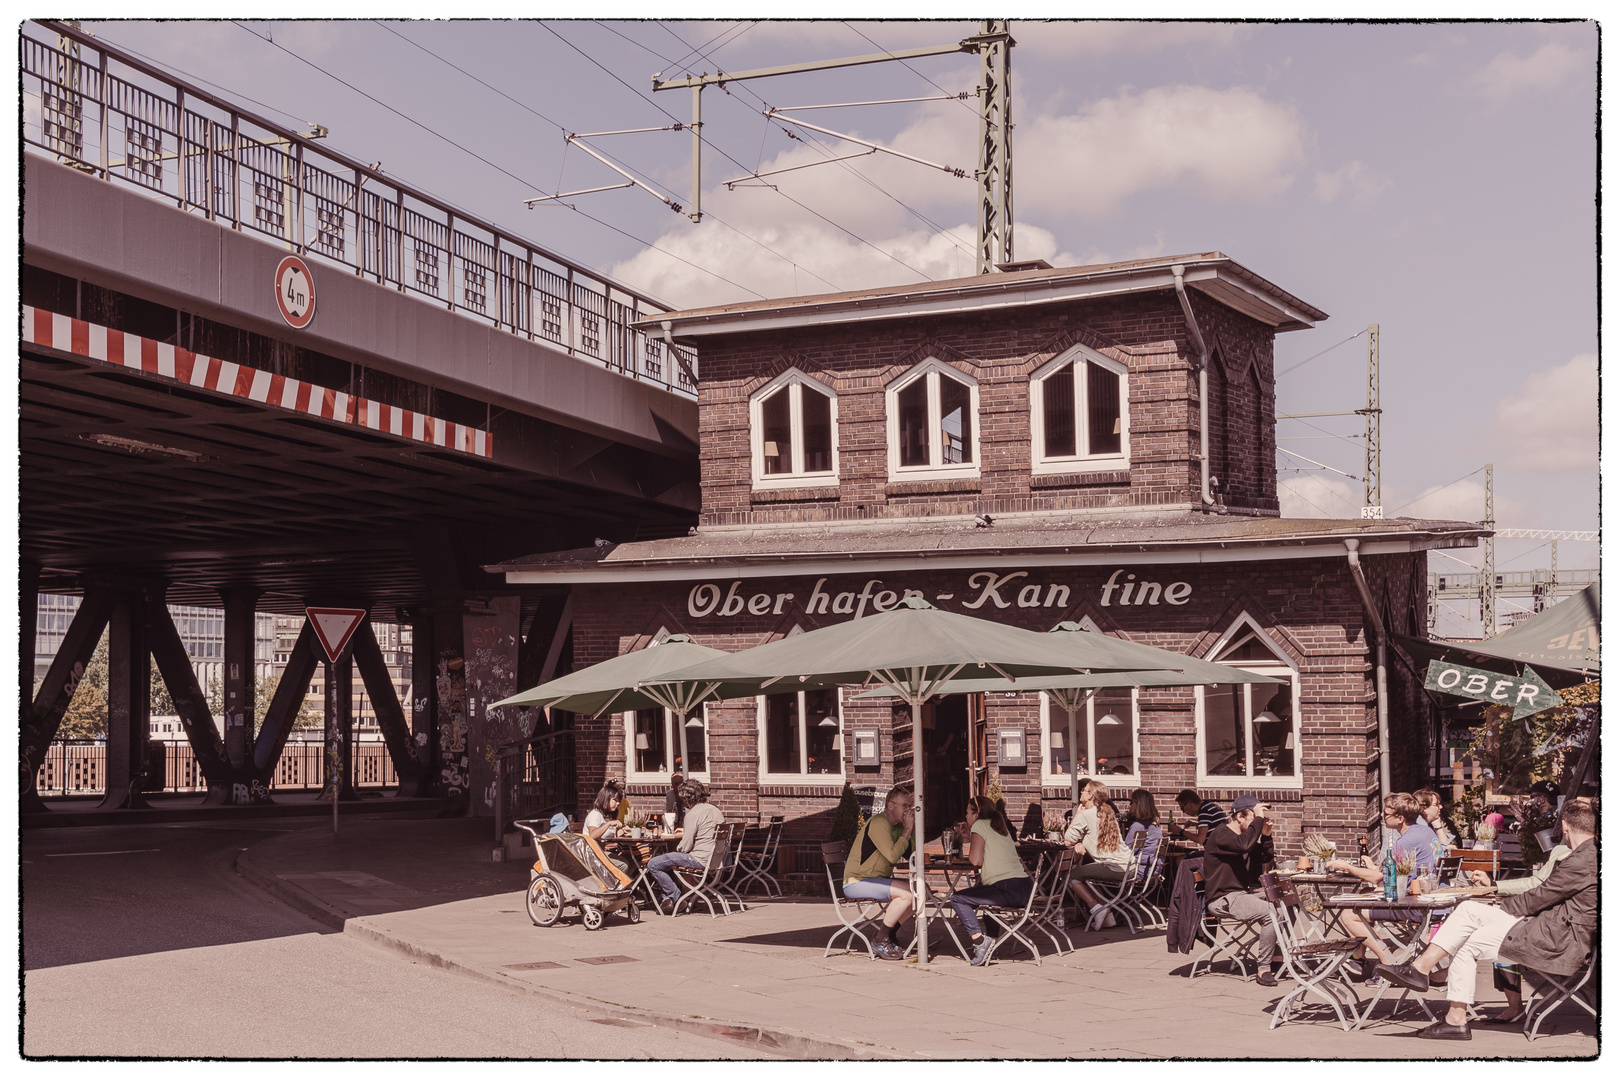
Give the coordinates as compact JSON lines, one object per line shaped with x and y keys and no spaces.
{"x":1318,"y":464}
{"x":1324,"y":352}
{"x":1431,"y":491}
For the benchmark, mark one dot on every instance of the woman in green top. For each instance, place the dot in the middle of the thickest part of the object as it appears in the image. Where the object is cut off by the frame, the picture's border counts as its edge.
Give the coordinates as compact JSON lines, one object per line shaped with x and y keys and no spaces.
{"x":883,"y":841}
{"x":1002,"y":880}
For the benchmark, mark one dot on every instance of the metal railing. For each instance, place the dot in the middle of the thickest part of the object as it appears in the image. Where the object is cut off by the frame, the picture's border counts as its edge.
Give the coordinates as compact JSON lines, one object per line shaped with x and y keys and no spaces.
{"x":79,"y":767}
{"x":534,"y":778}
{"x":110,"y":114}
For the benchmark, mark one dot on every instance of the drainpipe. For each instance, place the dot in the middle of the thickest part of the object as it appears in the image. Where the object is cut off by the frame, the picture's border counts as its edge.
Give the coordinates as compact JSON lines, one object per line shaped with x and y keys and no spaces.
{"x":1203,"y":383}
{"x":1380,"y":667}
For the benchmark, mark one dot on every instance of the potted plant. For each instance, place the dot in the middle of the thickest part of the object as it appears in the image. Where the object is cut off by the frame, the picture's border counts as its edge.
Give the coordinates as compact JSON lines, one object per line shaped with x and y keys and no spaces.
{"x":1054,"y":829}
{"x":1320,"y":850}
{"x":1484,"y":835}
{"x":1405,"y":867}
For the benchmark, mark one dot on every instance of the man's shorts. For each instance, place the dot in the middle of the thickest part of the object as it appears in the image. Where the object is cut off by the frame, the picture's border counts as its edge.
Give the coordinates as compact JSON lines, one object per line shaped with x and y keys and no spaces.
{"x":873,"y":888}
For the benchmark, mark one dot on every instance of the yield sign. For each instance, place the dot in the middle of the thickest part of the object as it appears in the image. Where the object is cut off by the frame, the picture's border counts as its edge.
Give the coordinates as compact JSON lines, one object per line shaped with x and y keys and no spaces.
{"x":335,"y":626}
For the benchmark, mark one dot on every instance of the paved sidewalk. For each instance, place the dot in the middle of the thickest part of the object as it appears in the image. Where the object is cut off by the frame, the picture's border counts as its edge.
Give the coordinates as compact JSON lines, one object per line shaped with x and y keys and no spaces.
{"x":427,"y":889}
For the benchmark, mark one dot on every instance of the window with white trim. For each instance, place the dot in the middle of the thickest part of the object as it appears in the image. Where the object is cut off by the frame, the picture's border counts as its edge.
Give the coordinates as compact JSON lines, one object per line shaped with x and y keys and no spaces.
{"x":793,"y":420}
{"x":652,"y":745}
{"x":1249,"y":735}
{"x":1105,"y":745}
{"x":1079,"y":414}
{"x":933,"y":412}
{"x":801,"y":737}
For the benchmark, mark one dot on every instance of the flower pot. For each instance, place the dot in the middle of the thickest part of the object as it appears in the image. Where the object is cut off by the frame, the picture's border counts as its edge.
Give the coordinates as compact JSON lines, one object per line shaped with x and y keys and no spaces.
{"x":1484,"y":845}
{"x":1318,"y":865}
{"x":635,"y":833}
{"x":1402,"y":883}
{"x":1548,"y":839}
{"x":1055,"y":836}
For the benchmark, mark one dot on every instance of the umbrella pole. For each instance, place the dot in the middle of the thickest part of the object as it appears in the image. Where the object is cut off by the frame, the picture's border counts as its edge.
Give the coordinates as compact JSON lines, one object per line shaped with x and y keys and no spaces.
{"x":1074,"y":757}
{"x":917,"y":835}
{"x":680,"y":722}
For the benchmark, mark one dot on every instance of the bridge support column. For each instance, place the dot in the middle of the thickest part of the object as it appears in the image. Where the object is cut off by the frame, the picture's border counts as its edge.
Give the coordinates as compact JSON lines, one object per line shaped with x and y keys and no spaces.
{"x":374,"y":675}
{"x":240,"y":689}
{"x":450,"y":709}
{"x":129,"y":687}
{"x":490,"y":636}
{"x":43,"y":715}
{"x":424,"y":731}
{"x":339,"y":769}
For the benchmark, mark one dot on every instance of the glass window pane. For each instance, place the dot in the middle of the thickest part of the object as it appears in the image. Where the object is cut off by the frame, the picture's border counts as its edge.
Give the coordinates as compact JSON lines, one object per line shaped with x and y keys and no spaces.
{"x":1114,"y":733}
{"x":1102,"y":409}
{"x":1274,"y":739}
{"x":1057,"y":412}
{"x":777,"y":432}
{"x":782,"y":733}
{"x":1057,"y":726}
{"x":697,"y":742}
{"x":817,"y":431}
{"x":1225,"y":747}
{"x":821,"y":731}
{"x":649,"y":729}
{"x":955,"y":422}
{"x":912,"y":403}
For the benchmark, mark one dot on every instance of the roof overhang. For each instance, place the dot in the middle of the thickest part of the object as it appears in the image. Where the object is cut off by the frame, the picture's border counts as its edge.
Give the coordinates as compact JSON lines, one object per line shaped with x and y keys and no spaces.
{"x":1217,"y":276}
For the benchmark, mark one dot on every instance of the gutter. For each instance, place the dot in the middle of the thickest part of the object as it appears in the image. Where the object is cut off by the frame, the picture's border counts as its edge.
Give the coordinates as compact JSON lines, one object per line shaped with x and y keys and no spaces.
{"x":1179,"y":271}
{"x":1381,"y":665}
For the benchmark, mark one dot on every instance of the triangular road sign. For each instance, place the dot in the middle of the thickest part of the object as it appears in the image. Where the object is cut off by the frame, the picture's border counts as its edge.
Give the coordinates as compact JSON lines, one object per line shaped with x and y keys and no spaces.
{"x":335,"y":626}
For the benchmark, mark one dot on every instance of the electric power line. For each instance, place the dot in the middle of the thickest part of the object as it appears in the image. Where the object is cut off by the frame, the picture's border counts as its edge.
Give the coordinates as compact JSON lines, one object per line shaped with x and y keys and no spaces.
{"x":908,"y":67}
{"x":1431,"y":491}
{"x":1324,"y":352}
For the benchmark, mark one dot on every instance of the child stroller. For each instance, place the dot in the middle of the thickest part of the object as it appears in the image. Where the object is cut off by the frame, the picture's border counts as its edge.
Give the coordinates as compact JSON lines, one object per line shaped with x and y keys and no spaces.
{"x":573,"y":870}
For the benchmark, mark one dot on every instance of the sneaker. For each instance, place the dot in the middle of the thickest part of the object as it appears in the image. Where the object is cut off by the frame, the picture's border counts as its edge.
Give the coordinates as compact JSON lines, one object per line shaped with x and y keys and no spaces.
{"x":981,"y":952}
{"x":1266,"y":978}
{"x":888,"y":950}
{"x":1410,"y":977}
{"x":1107,"y":917}
{"x":1443,"y":1030}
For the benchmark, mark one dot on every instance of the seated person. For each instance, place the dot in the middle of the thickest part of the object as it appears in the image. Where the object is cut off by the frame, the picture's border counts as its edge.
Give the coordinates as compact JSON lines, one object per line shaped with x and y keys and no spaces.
{"x":1414,"y":836}
{"x":1233,"y":855}
{"x":1514,"y":1012}
{"x":1144,"y":819}
{"x":1207,"y":811}
{"x":672,"y":798}
{"x":1434,"y":813}
{"x":1002,"y":879}
{"x":602,"y":822}
{"x":1034,"y":824}
{"x":1094,"y":831}
{"x":1550,"y":928}
{"x":696,"y":850}
{"x":869,"y":871}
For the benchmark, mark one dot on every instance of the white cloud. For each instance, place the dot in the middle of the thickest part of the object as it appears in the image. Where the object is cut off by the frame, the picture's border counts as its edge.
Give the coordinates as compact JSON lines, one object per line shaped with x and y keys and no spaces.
{"x":1360,"y":184}
{"x":1551,"y":421}
{"x":1068,"y":39}
{"x":1313,"y":496}
{"x":1223,"y":143}
{"x":1507,"y":75}
{"x":1463,"y":501}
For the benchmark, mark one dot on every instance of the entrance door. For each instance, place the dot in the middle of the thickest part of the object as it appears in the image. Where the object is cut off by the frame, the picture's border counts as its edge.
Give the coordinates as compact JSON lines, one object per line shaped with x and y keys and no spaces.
{"x":946,"y":764}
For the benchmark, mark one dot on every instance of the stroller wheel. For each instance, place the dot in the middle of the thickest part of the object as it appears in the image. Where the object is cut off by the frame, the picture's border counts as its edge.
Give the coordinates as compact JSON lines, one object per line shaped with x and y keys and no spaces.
{"x":633,"y":912}
{"x":544,"y":901}
{"x":592,"y":917}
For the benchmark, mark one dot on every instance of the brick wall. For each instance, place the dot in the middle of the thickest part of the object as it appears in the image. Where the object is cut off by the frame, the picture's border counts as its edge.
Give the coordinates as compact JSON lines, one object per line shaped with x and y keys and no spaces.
{"x":1309,"y":609}
{"x":1000,"y":350}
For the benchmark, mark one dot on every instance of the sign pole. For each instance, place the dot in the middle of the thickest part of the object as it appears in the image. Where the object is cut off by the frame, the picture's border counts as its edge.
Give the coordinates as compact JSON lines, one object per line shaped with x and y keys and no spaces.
{"x":334,"y":628}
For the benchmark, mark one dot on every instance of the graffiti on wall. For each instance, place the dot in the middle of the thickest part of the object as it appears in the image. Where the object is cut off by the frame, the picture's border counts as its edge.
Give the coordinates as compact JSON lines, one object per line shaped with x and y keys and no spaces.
{"x":451,"y":685}
{"x":491,"y":638}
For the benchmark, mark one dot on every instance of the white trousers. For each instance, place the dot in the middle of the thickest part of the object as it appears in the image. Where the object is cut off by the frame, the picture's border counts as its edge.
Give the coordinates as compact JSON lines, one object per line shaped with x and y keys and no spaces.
{"x":1474,"y":932}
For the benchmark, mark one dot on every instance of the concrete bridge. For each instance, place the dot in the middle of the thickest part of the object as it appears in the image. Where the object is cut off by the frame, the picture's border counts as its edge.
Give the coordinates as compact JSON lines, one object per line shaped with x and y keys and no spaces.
{"x":258,"y":373}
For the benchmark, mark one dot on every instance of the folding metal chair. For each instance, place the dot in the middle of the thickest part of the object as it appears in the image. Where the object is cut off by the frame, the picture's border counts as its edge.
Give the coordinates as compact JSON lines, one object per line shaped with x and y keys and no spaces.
{"x":698,"y":884}
{"x":833,"y":857}
{"x":1127,"y":899}
{"x":760,"y":866}
{"x":724,"y":880}
{"x":1013,"y":920}
{"x":1144,"y":902}
{"x":1554,"y":991}
{"x":1231,"y":938}
{"x":1050,"y":893}
{"x":1312,"y":965}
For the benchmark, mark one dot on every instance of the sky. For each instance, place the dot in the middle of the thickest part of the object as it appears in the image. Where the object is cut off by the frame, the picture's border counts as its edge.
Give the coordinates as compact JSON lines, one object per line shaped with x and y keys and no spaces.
{"x":1437,"y":179}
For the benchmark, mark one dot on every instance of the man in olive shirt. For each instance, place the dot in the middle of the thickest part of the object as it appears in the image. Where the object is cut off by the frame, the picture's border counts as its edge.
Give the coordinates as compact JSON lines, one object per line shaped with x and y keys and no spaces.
{"x":883,"y":841}
{"x":1233,"y":855}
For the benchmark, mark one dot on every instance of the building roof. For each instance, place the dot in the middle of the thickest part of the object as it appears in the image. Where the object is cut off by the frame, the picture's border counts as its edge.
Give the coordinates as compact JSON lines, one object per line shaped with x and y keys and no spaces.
{"x":950,"y":543}
{"x":1216,"y":275}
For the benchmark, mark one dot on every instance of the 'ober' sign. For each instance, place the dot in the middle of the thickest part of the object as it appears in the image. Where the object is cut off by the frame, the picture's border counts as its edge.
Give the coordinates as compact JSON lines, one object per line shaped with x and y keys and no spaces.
{"x":295,"y":292}
{"x":1526,"y":693}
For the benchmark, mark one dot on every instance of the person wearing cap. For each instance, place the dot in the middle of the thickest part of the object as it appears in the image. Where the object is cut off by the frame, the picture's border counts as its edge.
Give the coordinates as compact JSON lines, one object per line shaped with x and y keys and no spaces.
{"x":1233,"y":855}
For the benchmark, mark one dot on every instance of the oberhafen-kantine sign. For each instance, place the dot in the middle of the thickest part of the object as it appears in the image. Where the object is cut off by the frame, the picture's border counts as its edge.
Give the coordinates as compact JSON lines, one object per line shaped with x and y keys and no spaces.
{"x":982,"y":591}
{"x":1525,"y":694}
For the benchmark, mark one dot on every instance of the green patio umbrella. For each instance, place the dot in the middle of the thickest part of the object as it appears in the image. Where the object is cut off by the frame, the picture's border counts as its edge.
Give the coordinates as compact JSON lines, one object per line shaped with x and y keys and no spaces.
{"x":636,"y":680}
{"x":913,"y":648}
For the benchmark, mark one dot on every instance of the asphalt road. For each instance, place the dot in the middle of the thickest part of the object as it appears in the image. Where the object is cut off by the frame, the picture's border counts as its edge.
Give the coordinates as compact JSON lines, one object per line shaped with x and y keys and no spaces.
{"x":143,"y":941}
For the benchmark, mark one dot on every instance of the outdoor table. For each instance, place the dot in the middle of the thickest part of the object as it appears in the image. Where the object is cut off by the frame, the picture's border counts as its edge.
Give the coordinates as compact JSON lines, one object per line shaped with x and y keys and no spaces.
{"x":630,"y":849}
{"x":1409,"y":937}
{"x":955,"y":869}
{"x":1323,"y":919}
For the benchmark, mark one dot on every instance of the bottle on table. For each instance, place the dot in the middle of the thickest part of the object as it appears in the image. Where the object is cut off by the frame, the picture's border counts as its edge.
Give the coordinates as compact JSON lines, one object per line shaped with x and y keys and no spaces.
{"x":1389,"y":873}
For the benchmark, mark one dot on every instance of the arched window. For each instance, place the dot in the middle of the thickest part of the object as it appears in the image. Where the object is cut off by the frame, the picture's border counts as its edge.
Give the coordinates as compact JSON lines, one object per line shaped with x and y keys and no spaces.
{"x":793,"y":421}
{"x":933,"y":425}
{"x":1079,"y":414}
{"x":1249,"y":735}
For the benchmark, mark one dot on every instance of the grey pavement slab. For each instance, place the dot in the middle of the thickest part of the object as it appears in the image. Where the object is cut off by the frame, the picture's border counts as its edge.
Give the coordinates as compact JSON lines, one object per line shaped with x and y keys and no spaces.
{"x":760,"y":974}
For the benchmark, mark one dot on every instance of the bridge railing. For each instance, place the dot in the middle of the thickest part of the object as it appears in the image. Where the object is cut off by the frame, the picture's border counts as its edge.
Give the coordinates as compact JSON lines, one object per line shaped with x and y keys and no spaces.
{"x":98,"y":109}
{"x":535,"y":778}
{"x":79,"y":767}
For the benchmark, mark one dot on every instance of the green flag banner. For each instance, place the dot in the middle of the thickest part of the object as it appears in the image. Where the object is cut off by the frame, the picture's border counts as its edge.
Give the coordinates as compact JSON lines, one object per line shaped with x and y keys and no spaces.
{"x":1526,"y":693}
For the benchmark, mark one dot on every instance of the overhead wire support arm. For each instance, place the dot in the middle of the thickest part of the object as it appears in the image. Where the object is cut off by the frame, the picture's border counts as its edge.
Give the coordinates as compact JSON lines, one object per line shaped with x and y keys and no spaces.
{"x":963,"y":96}
{"x":958,"y":173}
{"x":570,"y":194}
{"x":731,"y":184}
{"x":666,"y":200}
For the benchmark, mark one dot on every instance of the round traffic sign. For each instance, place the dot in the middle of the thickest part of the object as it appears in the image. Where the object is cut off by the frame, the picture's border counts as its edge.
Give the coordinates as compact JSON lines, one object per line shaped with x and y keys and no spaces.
{"x":295,"y":292}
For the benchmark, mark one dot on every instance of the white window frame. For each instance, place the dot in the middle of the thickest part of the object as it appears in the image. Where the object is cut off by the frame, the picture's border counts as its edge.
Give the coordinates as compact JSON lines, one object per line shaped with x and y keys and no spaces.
{"x":1283,"y":667}
{"x":1040,"y":464}
{"x":933,"y":370}
{"x":802,"y":779}
{"x":798,"y":384}
{"x":672,"y":747}
{"x":1086,"y":727}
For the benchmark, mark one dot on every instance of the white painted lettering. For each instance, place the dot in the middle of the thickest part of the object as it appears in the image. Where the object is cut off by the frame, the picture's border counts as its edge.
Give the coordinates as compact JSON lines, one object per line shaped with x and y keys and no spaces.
{"x":734,"y":603}
{"x":866,"y":594}
{"x":1125,"y":593}
{"x":1029,"y":596}
{"x":781,"y":602}
{"x":990,"y":588}
{"x":1475,"y":684}
{"x":885,"y":600}
{"x":1057,"y":596}
{"x":1142,"y":593}
{"x":1452,"y":674}
{"x":1109,"y":586}
{"x":843,"y":603}
{"x":818,"y":599}
{"x":1177,"y":592}
{"x":759,"y":603}
{"x":1527,"y":692}
{"x":1499,"y":691}
{"x":702,"y":600}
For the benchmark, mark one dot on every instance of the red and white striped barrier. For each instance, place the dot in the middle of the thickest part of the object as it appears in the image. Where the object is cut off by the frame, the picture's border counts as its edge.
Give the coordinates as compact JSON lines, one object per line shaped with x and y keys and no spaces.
{"x":115,"y":347}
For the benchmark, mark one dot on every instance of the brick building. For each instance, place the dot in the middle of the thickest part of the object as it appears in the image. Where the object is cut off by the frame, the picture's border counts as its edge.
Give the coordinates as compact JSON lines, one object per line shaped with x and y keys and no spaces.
{"x":1025,"y":446}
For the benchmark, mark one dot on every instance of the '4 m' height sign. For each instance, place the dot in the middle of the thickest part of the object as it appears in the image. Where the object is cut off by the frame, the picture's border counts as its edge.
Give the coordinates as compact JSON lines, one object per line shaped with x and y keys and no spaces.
{"x":295,"y":292}
{"x":1526,"y":693}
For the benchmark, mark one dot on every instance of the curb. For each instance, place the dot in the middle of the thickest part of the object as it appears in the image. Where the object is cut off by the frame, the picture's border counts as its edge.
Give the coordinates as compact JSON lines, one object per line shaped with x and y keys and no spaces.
{"x":787,"y":1044}
{"x":69,"y":819}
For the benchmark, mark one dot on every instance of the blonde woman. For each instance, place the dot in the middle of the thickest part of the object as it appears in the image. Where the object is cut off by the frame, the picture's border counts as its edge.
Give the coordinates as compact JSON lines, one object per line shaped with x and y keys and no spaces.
{"x":1094,"y":832}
